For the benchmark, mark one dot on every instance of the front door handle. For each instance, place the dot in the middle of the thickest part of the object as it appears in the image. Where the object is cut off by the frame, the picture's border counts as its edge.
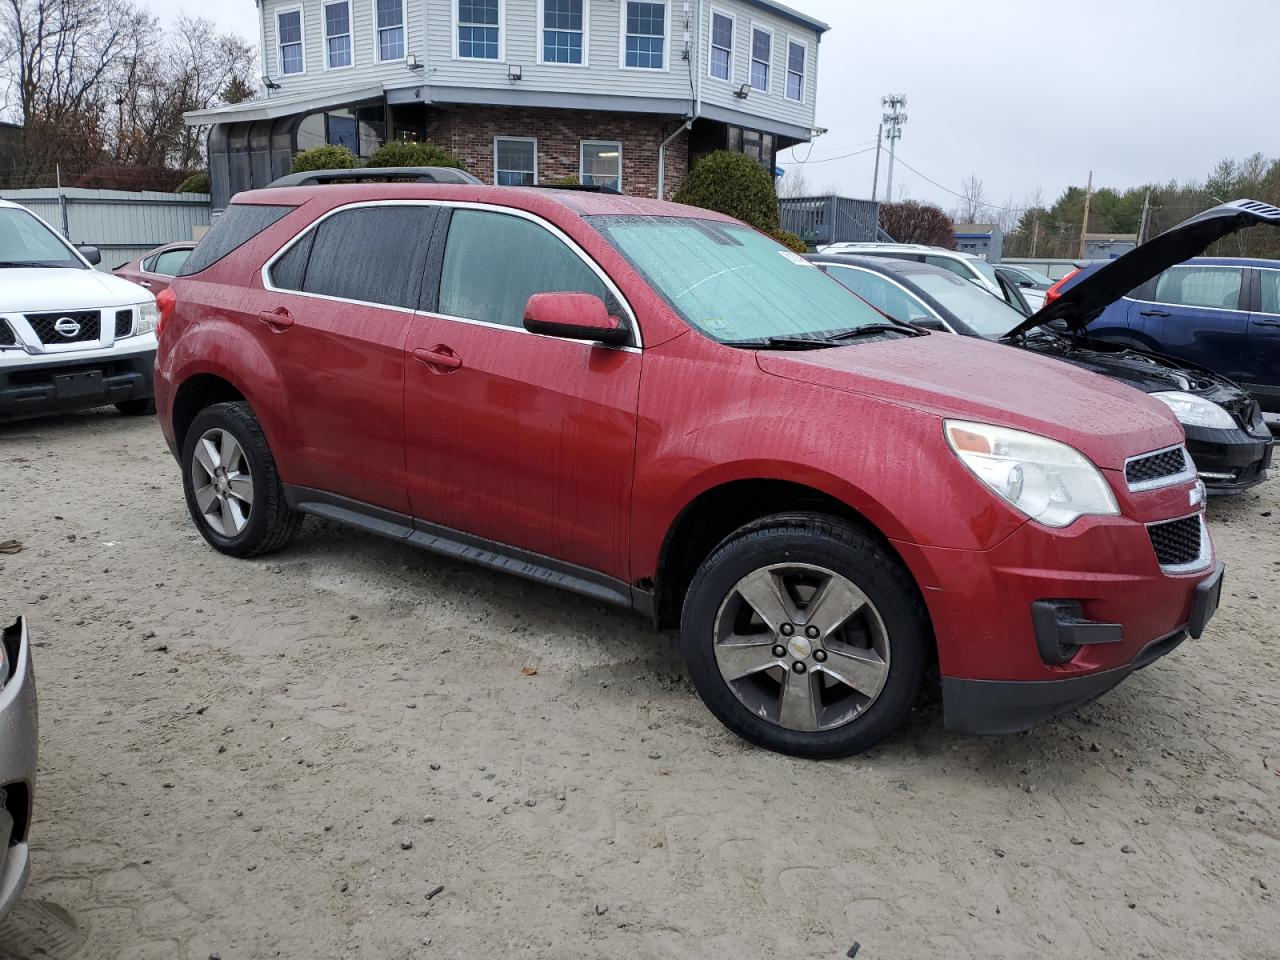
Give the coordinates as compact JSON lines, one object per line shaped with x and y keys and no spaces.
{"x":145,"y":283}
{"x":278,"y":320}
{"x":1155,"y":313}
{"x":1267,"y":323}
{"x":438,"y":356}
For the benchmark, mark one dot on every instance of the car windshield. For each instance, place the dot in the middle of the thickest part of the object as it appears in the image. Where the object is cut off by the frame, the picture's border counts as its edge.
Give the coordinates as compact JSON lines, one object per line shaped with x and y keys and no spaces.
{"x":733,"y":283}
{"x":26,"y":242}
{"x":988,"y":315}
{"x":1035,"y":276}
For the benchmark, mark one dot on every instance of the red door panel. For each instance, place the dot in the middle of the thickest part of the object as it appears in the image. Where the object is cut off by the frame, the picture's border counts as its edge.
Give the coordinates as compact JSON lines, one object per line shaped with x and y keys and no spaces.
{"x":522,"y":439}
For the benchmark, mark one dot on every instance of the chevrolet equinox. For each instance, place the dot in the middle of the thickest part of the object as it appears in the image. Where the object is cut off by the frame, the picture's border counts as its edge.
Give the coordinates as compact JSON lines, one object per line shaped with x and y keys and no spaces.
{"x":657,"y":406}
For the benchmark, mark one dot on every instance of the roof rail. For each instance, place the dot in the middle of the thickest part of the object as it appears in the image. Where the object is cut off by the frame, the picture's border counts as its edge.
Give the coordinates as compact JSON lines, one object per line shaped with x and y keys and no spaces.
{"x":378,"y":174}
{"x":579,"y":187}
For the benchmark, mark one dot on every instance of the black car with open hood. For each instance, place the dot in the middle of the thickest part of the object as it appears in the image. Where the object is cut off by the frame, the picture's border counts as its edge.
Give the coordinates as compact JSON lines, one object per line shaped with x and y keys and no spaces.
{"x":1226,"y":434}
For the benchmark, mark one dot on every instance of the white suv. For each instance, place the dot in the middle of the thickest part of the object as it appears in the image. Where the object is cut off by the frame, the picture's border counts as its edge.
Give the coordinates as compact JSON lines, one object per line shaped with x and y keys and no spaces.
{"x":70,"y":337}
{"x":963,"y":264}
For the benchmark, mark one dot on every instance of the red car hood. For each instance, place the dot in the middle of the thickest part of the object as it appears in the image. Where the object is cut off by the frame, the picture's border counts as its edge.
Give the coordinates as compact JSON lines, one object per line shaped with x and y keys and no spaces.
{"x":966,"y":378}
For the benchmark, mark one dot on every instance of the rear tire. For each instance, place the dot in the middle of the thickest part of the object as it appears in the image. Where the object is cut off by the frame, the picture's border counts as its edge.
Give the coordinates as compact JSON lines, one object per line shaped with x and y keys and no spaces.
{"x":137,"y":408}
{"x":835,"y":663}
{"x":232,"y":486}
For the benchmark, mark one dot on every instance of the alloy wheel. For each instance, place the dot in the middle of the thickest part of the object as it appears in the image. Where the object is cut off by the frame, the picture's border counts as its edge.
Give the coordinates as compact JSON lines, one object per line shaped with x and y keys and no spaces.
{"x":222,"y":481}
{"x":801,"y":647}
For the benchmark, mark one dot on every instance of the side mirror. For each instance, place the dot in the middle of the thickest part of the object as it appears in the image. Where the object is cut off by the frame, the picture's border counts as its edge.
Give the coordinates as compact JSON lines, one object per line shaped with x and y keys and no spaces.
{"x":929,"y":323}
{"x":574,"y":316}
{"x":92,"y":254}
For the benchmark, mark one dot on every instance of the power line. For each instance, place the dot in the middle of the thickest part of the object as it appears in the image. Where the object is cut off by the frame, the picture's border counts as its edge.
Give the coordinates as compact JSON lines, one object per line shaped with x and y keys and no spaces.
{"x":845,"y":156}
{"x":993,"y":206}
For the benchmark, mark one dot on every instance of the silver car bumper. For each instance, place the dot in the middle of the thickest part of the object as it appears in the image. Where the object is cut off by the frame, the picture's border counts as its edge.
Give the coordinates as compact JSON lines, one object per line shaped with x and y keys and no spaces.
{"x":18,"y":741}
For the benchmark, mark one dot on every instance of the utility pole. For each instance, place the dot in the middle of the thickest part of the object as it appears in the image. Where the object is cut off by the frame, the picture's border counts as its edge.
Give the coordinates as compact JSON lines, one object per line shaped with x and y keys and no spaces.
{"x":62,"y":202}
{"x":1035,"y":236}
{"x":875,"y":178}
{"x":1142,"y":223}
{"x":1084,"y":225}
{"x":895,"y":118}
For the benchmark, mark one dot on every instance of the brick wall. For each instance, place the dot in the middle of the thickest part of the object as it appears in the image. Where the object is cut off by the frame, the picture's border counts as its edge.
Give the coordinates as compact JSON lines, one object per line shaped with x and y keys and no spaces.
{"x":470,"y":131}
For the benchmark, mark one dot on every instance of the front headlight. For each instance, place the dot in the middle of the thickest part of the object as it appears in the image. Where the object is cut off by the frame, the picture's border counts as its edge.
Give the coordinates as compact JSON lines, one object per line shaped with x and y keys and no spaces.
{"x":147,"y":316}
{"x":1193,"y":411}
{"x":1050,"y":482}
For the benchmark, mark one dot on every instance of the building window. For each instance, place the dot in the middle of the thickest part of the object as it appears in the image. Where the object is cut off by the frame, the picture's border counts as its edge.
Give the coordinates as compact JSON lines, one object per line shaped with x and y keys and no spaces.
{"x":337,"y":34}
{"x":289,"y":36}
{"x":721,"y":46}
{"x":478,"y":29}
{"x":797,"y":53}
{"x":602,"y":164}
{"x":390,"y":15}
{"x":515,"y":161}
{"x":562,"y":31}
{"x":646,"y":35}
{"x":761,"y":57}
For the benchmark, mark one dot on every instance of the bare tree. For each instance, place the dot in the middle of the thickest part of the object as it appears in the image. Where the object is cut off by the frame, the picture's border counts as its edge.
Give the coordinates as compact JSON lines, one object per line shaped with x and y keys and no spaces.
{"x":973,"y":205}
{"x":794,"y":184}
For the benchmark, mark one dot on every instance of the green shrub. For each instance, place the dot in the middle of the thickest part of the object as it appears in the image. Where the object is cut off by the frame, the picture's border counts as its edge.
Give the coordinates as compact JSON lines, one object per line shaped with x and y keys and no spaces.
{"x":324,"y":158}
{"x":196,"y":183}
{"x":791,"y":241}
{"x":568,"y":180}
{"x":404,"y":153}
{"x":735,"y":185}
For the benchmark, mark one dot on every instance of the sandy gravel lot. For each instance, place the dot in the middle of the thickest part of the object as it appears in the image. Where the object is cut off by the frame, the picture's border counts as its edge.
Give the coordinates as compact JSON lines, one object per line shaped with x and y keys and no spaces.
{"x":290,"y":757}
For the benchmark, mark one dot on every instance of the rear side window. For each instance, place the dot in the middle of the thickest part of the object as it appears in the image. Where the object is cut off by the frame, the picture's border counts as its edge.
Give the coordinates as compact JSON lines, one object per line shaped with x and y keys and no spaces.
{"x":369,"y":254}
{"x":239,"y":224}
{"x":1213,"y":288}
{"x":955,"y":266}
{"x":529,"y":259}
{"x":1270,"y":291}
{"x":170,"y":262}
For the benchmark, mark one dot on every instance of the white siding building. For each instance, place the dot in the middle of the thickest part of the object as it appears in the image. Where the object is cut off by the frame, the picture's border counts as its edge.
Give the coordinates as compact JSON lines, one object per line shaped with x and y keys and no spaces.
{"x":525,"y":90}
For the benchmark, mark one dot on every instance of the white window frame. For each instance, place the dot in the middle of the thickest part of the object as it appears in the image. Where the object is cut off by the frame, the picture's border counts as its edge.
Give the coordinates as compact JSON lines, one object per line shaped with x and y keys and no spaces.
{"x":502,"y":37}
{"x":582,"y":158}
{"x":711,"y":43}
{"x":586,"y":36}
{"x":666,"y":39}
{"x":786,"y":71}
{"x":302,"y":29}
{"x":752,"y":61}
{"x":497,"y":140}
{"x":377,"y":39}
{"x":350,"y":34}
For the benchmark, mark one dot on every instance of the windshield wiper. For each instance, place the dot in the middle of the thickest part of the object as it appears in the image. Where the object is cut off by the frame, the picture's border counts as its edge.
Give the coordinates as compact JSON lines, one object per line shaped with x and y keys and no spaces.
{"x":30,"y":263}
{"x":873,"y":328}
{"x":783,"y":343}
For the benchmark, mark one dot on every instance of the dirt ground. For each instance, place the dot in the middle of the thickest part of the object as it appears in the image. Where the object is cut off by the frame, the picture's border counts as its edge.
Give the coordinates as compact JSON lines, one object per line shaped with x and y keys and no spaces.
{"x":336,"y":752}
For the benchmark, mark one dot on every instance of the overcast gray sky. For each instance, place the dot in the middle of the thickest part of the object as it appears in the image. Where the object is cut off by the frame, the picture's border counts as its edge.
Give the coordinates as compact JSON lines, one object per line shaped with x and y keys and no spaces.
{"x":1026,"y":94}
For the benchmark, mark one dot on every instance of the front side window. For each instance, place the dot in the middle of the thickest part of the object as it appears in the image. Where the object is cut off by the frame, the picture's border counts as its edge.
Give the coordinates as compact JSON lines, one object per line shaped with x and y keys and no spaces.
{"x":1212,"y":288}
{"x":1270,"y":291}
{"x":371,"y":255}
{"x":797,"y":54}
{"x":562,"y":31}
{"x":602,"y":164}
{"x":989,"y":316}
{"x":289,"y":36}
{"x":882,"y":293}
{"x":390,"y":25}
{"x":646,"y":37}
{"x":534,"y":261}
{"x":761,"y":55}
{"x":337,"y":34}
{"x":515,"y":162}
{"x":721,"y":46}
{"x":478,"y":29}
{"x":25,"y":241}
{"x":731,"y":282}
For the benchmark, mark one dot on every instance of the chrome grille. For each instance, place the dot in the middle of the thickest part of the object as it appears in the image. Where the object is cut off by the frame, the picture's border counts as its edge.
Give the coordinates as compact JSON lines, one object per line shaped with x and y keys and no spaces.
{"x":124,"y":323}
{"x":1178,"y":542}
{"x":1153,"y":467}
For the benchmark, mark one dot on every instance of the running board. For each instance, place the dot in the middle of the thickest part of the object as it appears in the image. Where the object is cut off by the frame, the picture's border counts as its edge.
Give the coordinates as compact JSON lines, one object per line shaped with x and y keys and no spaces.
{"x":463,"y":546}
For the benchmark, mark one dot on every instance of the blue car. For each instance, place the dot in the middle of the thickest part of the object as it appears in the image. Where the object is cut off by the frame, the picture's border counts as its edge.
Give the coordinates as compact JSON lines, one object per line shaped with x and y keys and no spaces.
{"x":1222,"y":313}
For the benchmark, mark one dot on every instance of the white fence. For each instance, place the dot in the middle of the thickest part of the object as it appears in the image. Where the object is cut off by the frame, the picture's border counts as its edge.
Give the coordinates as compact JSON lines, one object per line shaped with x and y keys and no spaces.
{"x":122,"y":224}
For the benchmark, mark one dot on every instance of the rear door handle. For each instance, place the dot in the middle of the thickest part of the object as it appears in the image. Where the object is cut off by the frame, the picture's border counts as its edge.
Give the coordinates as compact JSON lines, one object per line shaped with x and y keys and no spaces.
{"x":1267,"y":323}
{"x":145,"y":283}
{"x":438,"y":356}
{"x":1155,"y":313}
{"x":278,"y":320}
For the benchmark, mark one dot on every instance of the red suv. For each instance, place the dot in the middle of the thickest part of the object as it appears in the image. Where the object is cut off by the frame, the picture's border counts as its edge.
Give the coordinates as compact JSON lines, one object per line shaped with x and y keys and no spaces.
{"x":659,"y":407}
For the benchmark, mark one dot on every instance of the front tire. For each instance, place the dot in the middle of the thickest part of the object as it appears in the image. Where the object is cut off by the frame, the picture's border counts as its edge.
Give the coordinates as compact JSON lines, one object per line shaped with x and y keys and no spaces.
{"x":232,"y":487}
{"x":803,"y":635}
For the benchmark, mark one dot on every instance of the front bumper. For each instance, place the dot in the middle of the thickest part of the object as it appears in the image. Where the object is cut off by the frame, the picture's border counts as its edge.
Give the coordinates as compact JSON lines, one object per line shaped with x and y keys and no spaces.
{"x":74,"y":382}
{"x":1229,"y":461}
{"x":18,"y":744}
{"x":992,"y":707}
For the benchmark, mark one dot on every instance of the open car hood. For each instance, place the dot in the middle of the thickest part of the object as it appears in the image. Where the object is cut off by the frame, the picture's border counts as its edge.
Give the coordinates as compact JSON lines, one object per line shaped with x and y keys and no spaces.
{"x":1083,"y":302}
